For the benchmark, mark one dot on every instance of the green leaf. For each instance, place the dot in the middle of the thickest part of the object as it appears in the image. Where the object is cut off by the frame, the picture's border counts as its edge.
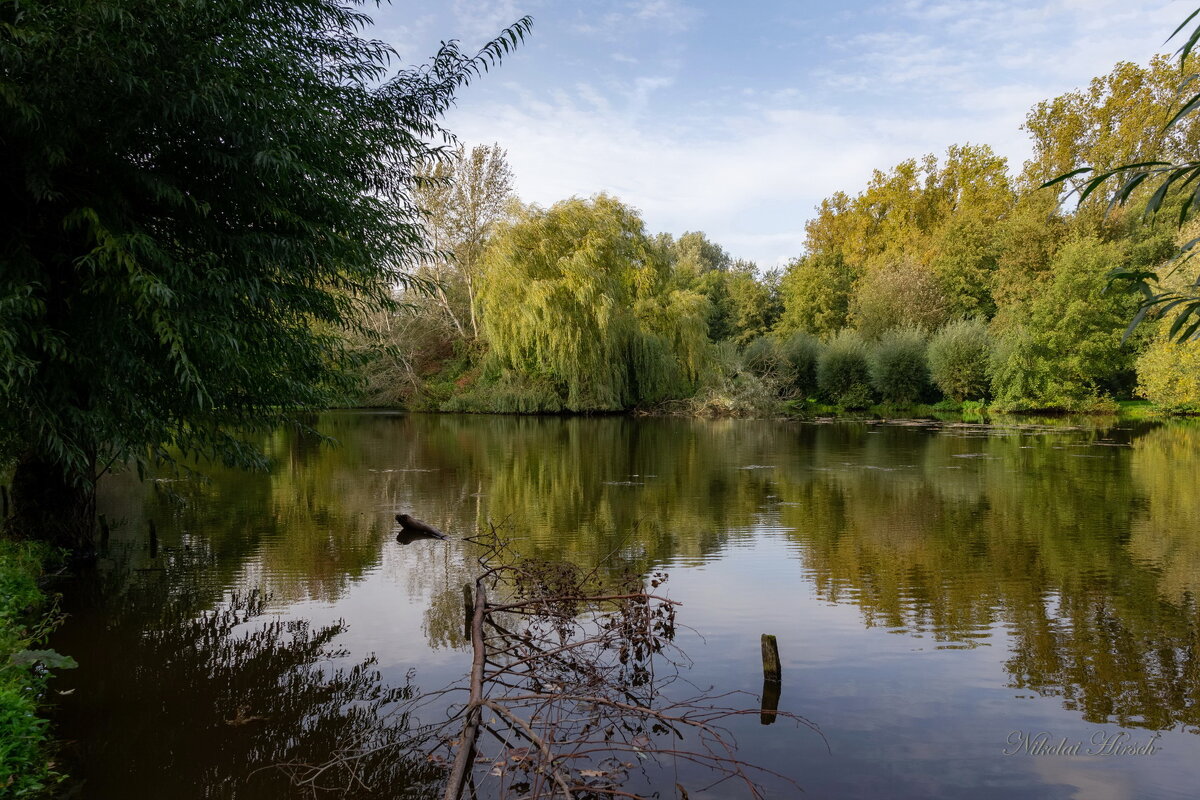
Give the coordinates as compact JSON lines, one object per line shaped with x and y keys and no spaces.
{"x":50,"y":659}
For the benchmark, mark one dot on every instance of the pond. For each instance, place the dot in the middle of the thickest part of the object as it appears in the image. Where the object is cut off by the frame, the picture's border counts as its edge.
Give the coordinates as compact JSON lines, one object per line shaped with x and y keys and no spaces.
{"x":961,"y":610}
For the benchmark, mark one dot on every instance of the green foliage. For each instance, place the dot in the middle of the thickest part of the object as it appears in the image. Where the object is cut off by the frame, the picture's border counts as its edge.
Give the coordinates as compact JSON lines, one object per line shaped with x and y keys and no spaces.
{"x":762,"y":357}
{"x":1169,"y":375}
{"x":901,"y":295}
{"x":843,"y":371}
{"x":510,"y":393}
{"x":1026,"y":242}
{"x":1020,"y":374}
{"x":26,"y":616}
{"x":815,"y":295}
{"x":1063,"y":348}
{"x":959,"y":354}
{"x":965,"y":264}
{"x":1078,"y":320}
{"x":902,"y":214}
{"x":753,"y":304}
{"x":740,"y":307}
{"x":1138,"y":132}
{"x":1121,"y":118}
{"x":693,"y":255}
{"x":573,"y":294}
{"x":800,"y":354}
{"x":787,"y":363}
{"x":1025,"y":376}
{"x":189,"y":245}
{"x":899,"y":373}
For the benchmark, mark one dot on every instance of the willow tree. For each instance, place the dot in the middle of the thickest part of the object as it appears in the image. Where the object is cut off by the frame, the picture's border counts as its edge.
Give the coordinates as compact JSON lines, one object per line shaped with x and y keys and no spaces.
{"x":576,"y":294}
{"x":201,"y":196}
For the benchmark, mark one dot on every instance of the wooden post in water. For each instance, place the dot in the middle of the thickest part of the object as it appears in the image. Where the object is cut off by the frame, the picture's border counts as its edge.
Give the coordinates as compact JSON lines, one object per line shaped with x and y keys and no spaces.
{"x":103,"y":532}
{"x":153,"y":540}
{"x":770,"y":658}
{"x":772,"y":679}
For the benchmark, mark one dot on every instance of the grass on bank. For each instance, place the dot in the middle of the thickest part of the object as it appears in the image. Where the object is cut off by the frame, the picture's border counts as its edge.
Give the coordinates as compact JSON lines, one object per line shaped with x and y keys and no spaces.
{"x":27,"y":615}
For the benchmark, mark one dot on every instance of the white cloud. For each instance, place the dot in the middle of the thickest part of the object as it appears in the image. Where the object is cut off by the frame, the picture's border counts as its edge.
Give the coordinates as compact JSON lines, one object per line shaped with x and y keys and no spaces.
{"x":748,"y":164}
{"x":748,"y":179}
{"x":672,"y":15}
{"x":479,"y":21}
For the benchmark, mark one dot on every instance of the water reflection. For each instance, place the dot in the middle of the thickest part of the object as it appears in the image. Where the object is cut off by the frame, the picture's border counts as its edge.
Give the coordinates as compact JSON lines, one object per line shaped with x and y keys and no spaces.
{"x":230,"y":702}
{"x":1071,"y":553}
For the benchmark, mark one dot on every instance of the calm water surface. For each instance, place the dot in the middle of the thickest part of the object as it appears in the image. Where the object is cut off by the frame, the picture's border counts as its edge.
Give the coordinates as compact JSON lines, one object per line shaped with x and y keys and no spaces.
{"x":942,"y":594}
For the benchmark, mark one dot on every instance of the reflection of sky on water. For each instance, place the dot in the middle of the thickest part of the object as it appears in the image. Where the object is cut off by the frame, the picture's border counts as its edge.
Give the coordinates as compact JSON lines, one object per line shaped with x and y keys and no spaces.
{"x":903,"y":718}
{"x":932,"y":590}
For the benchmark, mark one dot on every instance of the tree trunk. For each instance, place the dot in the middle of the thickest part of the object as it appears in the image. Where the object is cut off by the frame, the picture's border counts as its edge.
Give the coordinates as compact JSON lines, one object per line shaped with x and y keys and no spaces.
{"x":49,"y":505}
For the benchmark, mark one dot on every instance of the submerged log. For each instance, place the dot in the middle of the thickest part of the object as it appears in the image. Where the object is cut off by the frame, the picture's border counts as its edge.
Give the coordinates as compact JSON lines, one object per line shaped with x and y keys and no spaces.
{"x":415,"y":528}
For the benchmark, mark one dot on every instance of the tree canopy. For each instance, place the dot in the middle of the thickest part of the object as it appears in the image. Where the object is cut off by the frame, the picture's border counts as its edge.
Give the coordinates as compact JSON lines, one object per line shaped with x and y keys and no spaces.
{"x":201,"y":197}
{"x":576,"y":294}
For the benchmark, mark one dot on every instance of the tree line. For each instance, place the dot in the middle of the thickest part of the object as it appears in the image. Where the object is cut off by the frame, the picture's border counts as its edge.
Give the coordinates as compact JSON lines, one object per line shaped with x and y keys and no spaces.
{"x":945,"y":279}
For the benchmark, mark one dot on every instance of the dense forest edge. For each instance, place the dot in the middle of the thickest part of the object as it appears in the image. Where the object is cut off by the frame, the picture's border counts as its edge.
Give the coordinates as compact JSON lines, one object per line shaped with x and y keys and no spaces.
{"x":947,"y":284}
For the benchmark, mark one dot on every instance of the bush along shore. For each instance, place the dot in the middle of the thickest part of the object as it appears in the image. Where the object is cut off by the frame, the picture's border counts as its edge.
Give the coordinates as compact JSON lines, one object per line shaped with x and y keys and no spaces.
{"x":959,"y":370}
{"x":27,"y":615}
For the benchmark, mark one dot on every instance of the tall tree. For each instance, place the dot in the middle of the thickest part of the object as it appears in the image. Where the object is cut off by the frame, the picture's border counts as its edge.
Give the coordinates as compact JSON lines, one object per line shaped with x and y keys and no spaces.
{"x":815,"y":294}
{"x":201,"y":196}
{"x":463,"y":199}
{"x":1143,"y":148}
{"x":577,"y":294}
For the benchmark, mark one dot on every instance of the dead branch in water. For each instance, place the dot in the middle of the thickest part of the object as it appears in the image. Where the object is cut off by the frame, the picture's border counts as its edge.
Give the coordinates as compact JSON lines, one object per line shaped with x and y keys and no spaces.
{"x":569,"y":675}
{"x":573,"y":672}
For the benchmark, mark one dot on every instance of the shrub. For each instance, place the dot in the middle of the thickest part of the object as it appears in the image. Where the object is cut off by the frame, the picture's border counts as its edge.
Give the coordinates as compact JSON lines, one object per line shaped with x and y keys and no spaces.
{"x":762,"y":357}
{"x":26,"y":615}
{"x":739,"y":383}
{"x":899,"y":372}
{"x":843,"y":372}
{"x":958,"y":357}
{"x":1169,"y":375}
{"x":788,"y":366}
{"x":800,"y":353}
{"x":1026,"y":376}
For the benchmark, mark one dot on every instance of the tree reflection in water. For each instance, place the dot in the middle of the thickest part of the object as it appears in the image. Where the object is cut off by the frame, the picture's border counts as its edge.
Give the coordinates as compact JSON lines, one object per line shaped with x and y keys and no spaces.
{"x":230,"y":703}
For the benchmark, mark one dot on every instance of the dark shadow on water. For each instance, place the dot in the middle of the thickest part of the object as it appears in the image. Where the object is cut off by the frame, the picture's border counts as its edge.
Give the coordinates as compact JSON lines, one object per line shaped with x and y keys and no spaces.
{"x":212,"y":704}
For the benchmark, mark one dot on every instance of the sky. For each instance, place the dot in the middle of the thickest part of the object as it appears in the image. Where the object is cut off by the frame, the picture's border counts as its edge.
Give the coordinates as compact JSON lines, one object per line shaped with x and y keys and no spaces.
{"x":738,"y":118}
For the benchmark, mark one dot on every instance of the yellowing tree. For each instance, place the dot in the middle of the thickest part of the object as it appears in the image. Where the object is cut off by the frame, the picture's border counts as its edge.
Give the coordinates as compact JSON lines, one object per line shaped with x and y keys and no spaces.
{"x":1169,"y":375}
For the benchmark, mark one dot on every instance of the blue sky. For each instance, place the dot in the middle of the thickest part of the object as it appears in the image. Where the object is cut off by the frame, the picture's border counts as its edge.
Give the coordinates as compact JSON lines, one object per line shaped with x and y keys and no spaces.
{"x":738,"y":118}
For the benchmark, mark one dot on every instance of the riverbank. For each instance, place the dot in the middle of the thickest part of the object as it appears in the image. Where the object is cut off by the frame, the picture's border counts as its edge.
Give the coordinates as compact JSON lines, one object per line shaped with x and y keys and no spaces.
{"x":977,"y":411}
{"x":27,"y":615}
